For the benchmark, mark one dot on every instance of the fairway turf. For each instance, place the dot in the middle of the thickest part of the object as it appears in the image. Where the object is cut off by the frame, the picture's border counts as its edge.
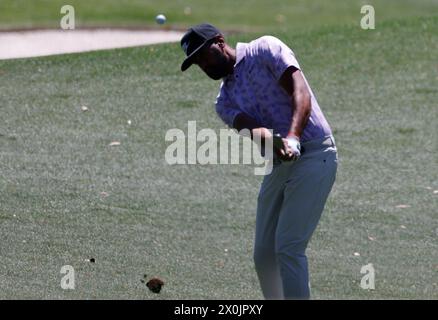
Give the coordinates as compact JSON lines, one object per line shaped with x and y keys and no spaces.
{"x":242,"y":15}
{"x":193,"y":226}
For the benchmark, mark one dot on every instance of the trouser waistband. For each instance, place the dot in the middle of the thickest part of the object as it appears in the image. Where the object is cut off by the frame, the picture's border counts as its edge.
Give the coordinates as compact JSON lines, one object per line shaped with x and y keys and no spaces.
{"x":312,"y":145}
{"x":318,"y":144}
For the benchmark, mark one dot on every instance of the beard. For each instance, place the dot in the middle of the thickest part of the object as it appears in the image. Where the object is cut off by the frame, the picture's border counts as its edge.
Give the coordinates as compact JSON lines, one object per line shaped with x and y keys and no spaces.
{"x":216,"y":73}
{"x":219,"y":69}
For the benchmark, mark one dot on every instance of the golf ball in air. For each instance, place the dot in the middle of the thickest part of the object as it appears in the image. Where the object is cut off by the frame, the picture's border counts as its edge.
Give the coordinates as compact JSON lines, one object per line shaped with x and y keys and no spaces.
{"x":161,"y":18}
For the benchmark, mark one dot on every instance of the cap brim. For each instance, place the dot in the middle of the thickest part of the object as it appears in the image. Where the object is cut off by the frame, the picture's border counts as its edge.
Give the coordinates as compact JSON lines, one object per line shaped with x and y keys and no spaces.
{"x":186,"y":64}
{"x":188,"y":61}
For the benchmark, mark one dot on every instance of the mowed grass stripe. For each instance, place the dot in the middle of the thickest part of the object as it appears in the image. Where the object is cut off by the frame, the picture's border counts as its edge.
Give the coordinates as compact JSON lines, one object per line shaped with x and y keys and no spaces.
{"x":377,"y":90}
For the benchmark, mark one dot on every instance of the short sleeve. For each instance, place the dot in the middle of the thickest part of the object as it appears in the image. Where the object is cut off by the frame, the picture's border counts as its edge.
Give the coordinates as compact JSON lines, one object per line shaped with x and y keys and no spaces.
{"x":225,"y":108}
{"x":276,"y":55}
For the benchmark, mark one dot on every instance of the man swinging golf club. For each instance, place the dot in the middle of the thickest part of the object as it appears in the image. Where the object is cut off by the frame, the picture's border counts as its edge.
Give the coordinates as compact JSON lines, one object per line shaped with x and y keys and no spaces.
{"x":264,"y":90}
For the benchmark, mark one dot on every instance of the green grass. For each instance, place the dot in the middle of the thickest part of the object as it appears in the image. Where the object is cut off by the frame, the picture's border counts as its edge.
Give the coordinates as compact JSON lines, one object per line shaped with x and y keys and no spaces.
{"x":245,"y":15}
{"x":377,"y":89}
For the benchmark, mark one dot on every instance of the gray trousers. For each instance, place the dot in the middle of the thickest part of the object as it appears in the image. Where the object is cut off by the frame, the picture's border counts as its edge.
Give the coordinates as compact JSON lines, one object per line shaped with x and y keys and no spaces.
{"x":290,"y":203}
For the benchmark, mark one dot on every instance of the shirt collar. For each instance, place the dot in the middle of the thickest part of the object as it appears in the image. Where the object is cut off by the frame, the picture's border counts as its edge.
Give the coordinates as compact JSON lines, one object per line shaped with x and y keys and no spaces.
{"x":240,"y":54}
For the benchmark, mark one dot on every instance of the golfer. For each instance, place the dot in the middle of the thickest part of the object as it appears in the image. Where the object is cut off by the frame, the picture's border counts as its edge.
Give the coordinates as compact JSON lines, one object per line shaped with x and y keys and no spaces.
{"x":264,"y":90}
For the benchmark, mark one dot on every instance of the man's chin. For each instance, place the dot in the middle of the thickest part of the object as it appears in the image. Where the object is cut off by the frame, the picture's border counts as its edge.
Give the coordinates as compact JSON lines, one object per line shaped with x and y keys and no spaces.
{"x":216,"y":76}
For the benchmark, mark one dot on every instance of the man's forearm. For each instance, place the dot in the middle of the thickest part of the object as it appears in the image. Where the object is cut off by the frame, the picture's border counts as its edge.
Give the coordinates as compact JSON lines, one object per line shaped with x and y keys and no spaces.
{"x":293,"y":82}
{"x":243,"y":121}
{"x":301,"y":114}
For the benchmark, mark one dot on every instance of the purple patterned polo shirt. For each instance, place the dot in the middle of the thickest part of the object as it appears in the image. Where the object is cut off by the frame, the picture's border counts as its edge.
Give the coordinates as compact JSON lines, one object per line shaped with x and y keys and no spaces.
{"x":253,"y":89}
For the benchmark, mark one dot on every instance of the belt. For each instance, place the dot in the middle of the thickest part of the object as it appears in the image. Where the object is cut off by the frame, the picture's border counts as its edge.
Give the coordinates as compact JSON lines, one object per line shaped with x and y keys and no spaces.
{"x":312,"y":145}
{"x":318,"y":144}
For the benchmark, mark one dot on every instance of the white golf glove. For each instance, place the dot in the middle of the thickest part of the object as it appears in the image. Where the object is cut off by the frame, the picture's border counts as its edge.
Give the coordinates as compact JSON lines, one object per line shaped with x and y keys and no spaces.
{"x":294,"y":144}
